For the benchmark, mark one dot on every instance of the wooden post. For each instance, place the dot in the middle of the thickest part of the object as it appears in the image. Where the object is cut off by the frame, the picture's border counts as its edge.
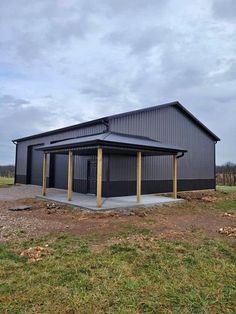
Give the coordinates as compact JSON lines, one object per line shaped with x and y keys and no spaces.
{"x":174,"y":176}
{"x":139,"y":175}
{"x":70,"y":175}
{"x":44,"y":174}
{"x":99,"y":177}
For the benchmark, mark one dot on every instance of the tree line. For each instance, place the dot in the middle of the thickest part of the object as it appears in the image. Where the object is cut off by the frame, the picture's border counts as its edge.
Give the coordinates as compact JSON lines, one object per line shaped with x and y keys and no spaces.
{"x":228,"y":167}
{"x":7,"y":171}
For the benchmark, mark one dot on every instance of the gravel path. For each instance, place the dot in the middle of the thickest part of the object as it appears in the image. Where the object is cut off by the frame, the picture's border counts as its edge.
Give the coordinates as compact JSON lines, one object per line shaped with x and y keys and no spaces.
{"x":16,"y":192}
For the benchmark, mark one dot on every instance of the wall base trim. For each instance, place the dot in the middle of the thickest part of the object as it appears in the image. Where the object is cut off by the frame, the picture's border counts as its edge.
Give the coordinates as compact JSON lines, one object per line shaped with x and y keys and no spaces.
{"x":119,"y":188}
{"x":124,"y":188}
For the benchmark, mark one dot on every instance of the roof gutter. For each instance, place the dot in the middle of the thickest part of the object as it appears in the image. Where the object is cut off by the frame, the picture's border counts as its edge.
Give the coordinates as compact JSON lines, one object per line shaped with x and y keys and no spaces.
{"x":181,"y":155}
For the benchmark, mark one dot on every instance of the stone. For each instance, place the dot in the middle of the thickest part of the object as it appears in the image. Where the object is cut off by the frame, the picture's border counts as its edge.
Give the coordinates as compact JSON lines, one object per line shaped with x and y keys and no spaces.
{"x":20,"y":208}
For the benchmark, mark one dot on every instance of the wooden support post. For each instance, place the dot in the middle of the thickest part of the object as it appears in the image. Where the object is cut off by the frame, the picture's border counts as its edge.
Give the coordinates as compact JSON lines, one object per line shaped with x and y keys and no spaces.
{"x":44,"y":174}
{"x":139,"y":175}
{"x":70,"y":175}
{"x":174,"y":176}
{"x":99,"y":177}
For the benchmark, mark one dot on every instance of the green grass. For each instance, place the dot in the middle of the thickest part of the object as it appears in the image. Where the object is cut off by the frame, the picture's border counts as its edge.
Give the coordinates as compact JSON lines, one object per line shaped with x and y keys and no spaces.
{"x":227,"y":205}
{"x":6,"y":181}
{"x":130,"y":277}
{"x":226,"y":188}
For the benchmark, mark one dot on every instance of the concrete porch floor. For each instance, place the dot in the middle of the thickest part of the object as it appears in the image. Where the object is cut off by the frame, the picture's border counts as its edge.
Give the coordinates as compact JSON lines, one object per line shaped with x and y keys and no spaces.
{"x":88,"y":201}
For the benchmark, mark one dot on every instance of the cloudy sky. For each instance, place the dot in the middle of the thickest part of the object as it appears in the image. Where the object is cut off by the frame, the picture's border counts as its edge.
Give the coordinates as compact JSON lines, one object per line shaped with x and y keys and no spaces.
{"x":67,"y":61}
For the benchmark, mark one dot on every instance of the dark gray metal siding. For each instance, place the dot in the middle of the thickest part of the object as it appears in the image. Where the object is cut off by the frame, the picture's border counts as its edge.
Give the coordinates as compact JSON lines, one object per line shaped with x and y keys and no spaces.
{"x":21,"y":170}
{"x":35,"y":166}
{"x":60,"y":171}
{"x":171,"y":126}
{"x":167,"y":124}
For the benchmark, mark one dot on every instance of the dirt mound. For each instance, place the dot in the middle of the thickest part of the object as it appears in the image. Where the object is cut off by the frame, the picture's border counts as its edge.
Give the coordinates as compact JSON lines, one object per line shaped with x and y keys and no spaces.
{"x":36,"y":253}
{"x":229,"y":231}
{"x":205,"y":196}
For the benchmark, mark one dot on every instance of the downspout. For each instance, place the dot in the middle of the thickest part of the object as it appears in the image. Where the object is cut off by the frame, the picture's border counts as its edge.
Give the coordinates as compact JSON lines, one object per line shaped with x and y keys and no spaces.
{"x":15,"y":142}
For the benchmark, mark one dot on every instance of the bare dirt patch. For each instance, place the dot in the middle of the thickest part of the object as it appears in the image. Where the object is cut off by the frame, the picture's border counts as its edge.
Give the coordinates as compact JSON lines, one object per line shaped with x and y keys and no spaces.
{"x":35,"y":254}
{"x":176,"y":221}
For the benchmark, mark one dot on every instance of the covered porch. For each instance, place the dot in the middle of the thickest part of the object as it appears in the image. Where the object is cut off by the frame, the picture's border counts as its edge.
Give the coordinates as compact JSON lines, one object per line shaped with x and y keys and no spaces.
{"x":110,"y":143}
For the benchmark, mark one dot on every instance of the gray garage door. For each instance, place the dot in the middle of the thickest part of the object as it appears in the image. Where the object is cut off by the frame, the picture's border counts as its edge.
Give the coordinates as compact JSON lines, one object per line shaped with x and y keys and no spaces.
{"x":61,"y":171}
{"x":35,"y":166}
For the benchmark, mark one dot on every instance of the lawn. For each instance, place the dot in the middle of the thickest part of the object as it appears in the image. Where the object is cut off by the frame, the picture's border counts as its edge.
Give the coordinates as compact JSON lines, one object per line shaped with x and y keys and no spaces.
{"x":226,"y":188}
{"x":137,"y":276}
{"x":137,"y":265}
{"x":6,"y":181}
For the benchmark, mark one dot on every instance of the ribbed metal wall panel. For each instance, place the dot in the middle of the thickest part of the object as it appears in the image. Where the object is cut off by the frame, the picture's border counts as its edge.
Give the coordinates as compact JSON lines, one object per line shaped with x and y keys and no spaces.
{"x":23,"y":146}
{"x":81,"y":165}
{"x":167,"y":124}
{"x":171,"y":126}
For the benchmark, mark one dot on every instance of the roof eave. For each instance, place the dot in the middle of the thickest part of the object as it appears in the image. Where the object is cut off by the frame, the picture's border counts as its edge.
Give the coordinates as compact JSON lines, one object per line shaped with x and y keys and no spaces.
{"x":64,"y":129}
{"x":113,"y":144}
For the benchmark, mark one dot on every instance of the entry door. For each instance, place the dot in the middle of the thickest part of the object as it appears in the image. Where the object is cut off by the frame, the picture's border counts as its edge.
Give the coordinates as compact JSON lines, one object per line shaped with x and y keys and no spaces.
{"x":61,"y":171}
{"x":92,"y":176}
{"x":35,"y":165}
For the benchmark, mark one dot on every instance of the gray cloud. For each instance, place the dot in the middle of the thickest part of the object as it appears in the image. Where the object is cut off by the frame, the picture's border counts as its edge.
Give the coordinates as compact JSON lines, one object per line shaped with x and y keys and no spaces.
{"x":142,"y":40}
{"x":225,"y":10}
{"x":67,"y":61}
{"x":9,"y":100}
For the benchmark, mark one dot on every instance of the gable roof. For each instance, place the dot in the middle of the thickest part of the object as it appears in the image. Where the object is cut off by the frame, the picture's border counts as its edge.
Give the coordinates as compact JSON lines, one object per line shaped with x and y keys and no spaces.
{"x":107,"y":118}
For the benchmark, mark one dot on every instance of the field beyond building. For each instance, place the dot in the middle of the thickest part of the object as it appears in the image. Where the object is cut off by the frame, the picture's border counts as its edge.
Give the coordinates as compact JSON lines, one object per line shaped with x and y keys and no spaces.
{"x":4,"y":181}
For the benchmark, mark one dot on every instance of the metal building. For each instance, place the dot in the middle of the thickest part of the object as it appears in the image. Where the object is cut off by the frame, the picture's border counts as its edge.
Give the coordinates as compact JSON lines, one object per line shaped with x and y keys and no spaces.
{"x":172,"y":125}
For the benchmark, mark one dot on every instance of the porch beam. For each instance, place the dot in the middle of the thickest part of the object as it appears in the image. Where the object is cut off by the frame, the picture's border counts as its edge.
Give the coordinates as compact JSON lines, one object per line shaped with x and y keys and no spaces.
{"x":174,"y":176}
{"x":99,"y":177}
{"x":139,"y":176}
{"x":44,"y":174}
{"x":70,"y":175}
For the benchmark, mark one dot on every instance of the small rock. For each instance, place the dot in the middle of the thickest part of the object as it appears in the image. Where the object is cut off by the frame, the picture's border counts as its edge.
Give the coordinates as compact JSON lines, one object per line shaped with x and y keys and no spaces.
{"x":20,"y":208}
{"x":53,"y":206}
{"x":140,"y":214}
{"x":227,"y":215}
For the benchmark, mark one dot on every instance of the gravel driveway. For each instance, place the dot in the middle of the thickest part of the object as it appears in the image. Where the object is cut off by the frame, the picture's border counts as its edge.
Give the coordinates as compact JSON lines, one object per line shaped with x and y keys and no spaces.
{"x":16,"y":192}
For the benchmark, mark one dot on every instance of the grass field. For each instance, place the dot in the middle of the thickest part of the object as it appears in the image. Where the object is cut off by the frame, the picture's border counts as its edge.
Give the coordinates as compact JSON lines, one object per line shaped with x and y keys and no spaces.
{"x":134,"y":277}
{"x":129,"y":270}
{"x":6,"y":181}
{"x":226,"y":188}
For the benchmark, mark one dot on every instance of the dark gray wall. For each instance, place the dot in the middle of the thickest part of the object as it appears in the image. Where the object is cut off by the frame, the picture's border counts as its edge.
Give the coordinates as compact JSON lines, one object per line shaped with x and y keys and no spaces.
{"x":21,"y":165}
{"x":171,"y":126}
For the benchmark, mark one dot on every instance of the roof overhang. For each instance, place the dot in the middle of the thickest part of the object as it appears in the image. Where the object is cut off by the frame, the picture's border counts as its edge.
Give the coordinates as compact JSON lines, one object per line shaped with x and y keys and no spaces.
{"x":114,"y":143}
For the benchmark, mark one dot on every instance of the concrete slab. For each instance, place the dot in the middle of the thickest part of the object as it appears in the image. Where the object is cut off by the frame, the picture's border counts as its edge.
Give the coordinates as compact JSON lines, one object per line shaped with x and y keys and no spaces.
{"x":87,"y":201}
